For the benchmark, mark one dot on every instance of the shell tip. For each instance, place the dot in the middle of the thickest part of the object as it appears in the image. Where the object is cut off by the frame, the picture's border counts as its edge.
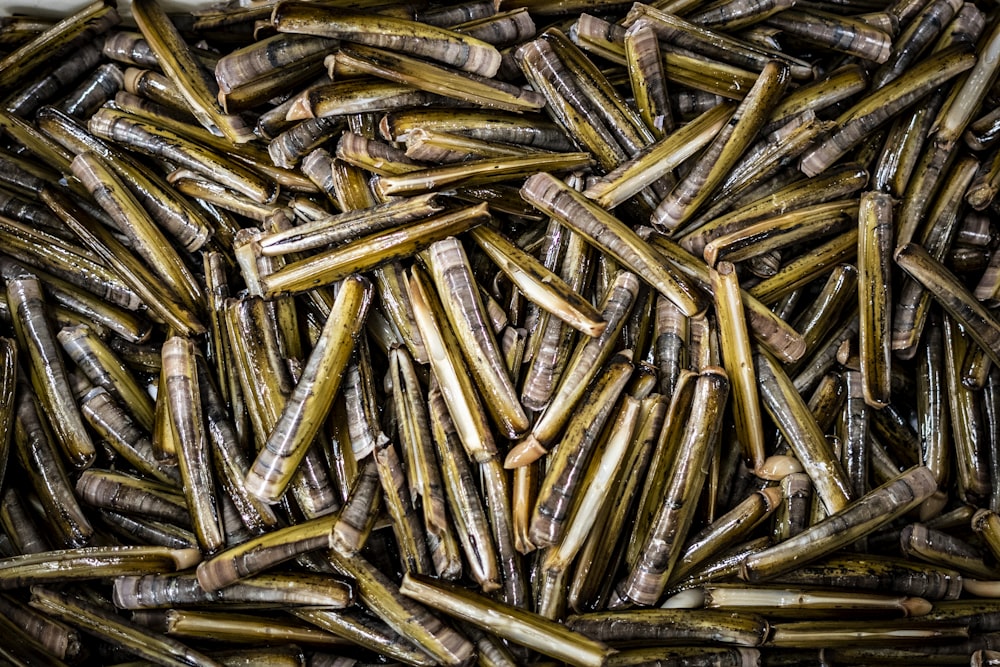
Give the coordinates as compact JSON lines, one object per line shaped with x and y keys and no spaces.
{"x":527,"y":451}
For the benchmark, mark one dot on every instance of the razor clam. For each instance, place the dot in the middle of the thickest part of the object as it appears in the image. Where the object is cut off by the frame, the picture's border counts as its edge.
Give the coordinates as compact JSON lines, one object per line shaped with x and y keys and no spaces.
{"x":982,"y":133}
{"x":37,"y":143}
{"x":342,"y":98}
{"x":367,"y":252}
{"x":875,"y":295}
{"x":733,"y":14}
{"x":678,"y":655}
{"x":771,"y":332}
{"x":395,"y":301}
{"x":300,"y":419}
{"x":44,"y":89}
{"x":449,"y":369}
{"x":903,"y":145}
{"x":152,"y":87}
{"x":657,"y":159}
{"x":452,"y":275}
{"x":361,"y":497}
{"x":799,"y":427}
{"x":375,"y":156}
{"x":100,"y":87}
{"x":913,"y":302}
{"x":155,"y":141}
{"x":263,"y":57}
{"x":193,"y":454}
{"x":289,"y":147}
{"x":555,"y":198}
{"x":732,"y":527}
{"x":404,"y":615}
{"x":921,"y":31}
{"x":124,"y":493}
{"x":686,"y":36}
{"x":97,"y":620}
{"x":766,"y":159}
{"x":781,"y":231}
{"x":230,"y":462}
{"x":272,"y":86}
{"x":19,"y":29}
{"x":145,"y":238}
{"x":517,"y":625}
{"x":846,"y":34}
{"x":235,"y":628}
{"x":23,"y":175}
{"x":646,"y":75}
{"x":590,"y":582}
{"x":8,"y":380}
{"x":401,"y":505}
{"x":965,"y":98}
{"x":255,"y":159}
{"x":178,"y":62}
{"x":47,"y":370}
{"x":477,"y":172}
{"x":425,"y":478}
{"x":115,"y":427}
{"x":837,"y":85}
{"x":839,"y":289}
{"x":670,"y":344}
{"x":28,"y":212}
{"x":932,"y":409}
{"x":775,"y":601}
{"x":834,"y":184}
{"x":499,"y":29}
{"x":987,"y":524}
{"x":567,"y":103}
{"x":806,"y":268}
{"x":25,"y":535}
{"x":662,"y":546}
{"x":876,"y":508}
{"x":724,"y":151}
{"x":418,"y":39}
{"x":130,"y":48}
{"x":92,"y":20}
{"x":484,"y":124}
{"x":365,"y":631}
{"x":558,"y":494}
{"x":253,"y":341}
{"x":466,"y":507}
{"x":446,"y":81}
{"x":588,"y":357}
{"x":497,"y":495}
{"x":625,"y":124}
{"x":735,"y":342}
{"x":92,"y":563}
{"x":551,"y":341}
{"x":260,"y":553}
{"x":59,"y":639}
{"x":877,"y":573}
{"x":953,"y":296}
{"x":538,"y":284}
{"x":196,"y":187}
{"x":20,"y":647}
{"x":944,"y":550}
{"x":602,"y":472}
{"x":970,"y":462}
{"x":361,"y":409}
{"x":860,"y":120}
{"x":171,"y":211}
{"x":852,"y":430}
{"x":673,"y":626}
